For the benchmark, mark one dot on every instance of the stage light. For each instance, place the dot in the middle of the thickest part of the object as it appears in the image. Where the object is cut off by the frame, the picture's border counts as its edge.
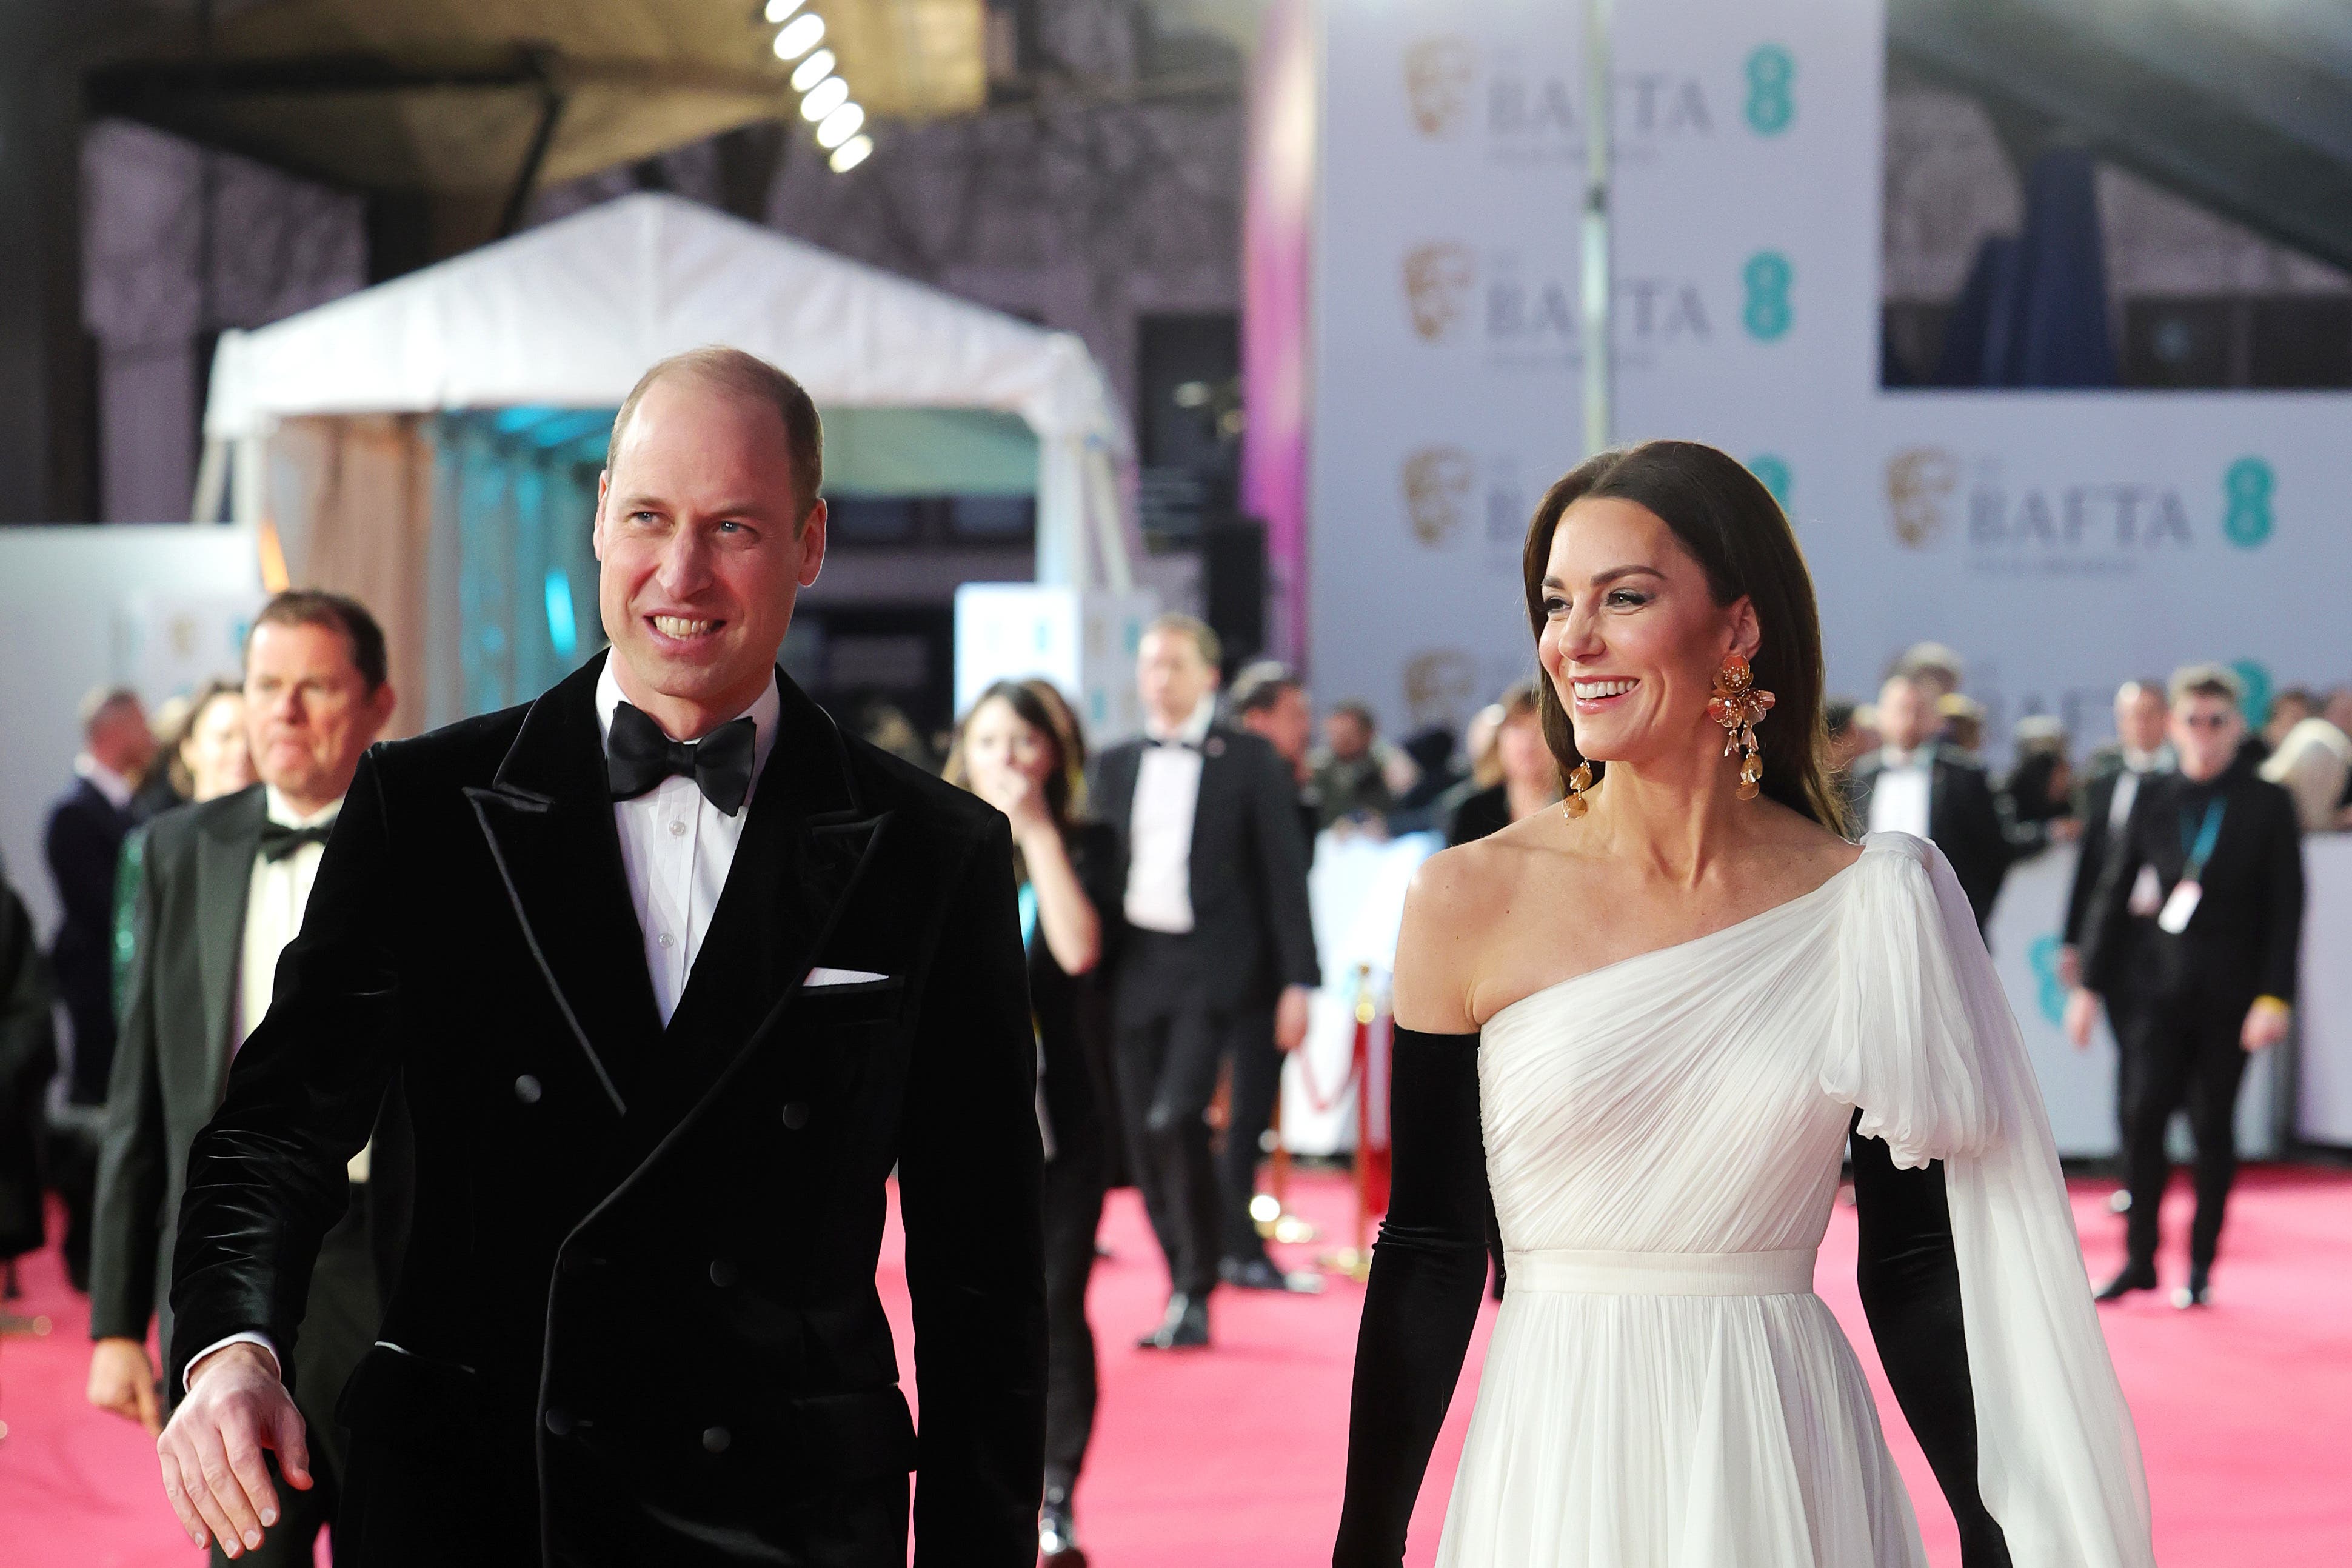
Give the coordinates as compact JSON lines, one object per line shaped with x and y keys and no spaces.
{"x":780,"y":9}
{"x":800,"y":36}
{"x":825,"y":97}
{"x":562,"y":631}
{"x":840,"y":125}
{"x":851,"y":153}
{"x":812,"y":70}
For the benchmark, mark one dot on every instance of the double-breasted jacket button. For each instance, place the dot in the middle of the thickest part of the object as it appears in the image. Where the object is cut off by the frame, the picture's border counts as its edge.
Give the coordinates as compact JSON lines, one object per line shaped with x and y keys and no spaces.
{"x":796,"y":1114}
{"x":715,"y":1439}
{"x":722,"y":1272}
{"x":559,"y":1420}
{"x":526,"y":1090}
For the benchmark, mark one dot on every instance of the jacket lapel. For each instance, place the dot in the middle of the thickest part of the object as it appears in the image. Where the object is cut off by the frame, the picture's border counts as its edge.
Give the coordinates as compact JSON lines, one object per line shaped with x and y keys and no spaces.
{"x":548,"y":818}
{"x":225,"y":852}
{"x":804,"y":846}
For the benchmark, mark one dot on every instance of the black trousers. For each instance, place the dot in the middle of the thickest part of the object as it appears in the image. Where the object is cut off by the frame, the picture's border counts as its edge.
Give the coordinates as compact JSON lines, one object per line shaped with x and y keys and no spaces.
{"x":338,"y":1325}
{"x":2186,"y":1052}
{"x":1169,"y":1045}
{"x":1256,"y":1080}
{"x":1074,"y":1201}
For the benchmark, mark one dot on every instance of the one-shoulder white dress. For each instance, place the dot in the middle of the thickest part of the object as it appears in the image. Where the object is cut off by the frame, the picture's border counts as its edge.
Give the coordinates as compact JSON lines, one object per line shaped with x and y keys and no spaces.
{"x":1664,"y":1138}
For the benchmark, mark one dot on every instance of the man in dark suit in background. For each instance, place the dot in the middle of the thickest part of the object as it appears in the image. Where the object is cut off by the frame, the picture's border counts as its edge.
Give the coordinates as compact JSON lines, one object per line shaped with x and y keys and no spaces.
{"x":2198,"y":924}
{"x":1915,"y":784}
{"x":674,"y":973}
{"x":2114,"y":777}
{"x":83,"y":840}
{"x":222,"y":893}
{"x":1217,"y":953}
{"x":83,"y":844}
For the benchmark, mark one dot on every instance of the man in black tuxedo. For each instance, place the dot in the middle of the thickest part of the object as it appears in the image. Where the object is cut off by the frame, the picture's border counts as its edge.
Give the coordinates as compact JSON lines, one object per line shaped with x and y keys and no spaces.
{"x":2197,"y":925}
{"x":1917,"y":785}
{"x":83,"y":839}
{"x":1215,"y":956}
{"x":221,"y":894}
{"x":674,"y":973}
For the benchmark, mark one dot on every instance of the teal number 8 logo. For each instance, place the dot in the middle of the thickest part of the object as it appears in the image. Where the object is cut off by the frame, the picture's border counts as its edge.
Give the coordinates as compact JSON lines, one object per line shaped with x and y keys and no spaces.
{"x":1771,"y":105}
{"x":2247,"y":486}
{"x":1767,"y":276}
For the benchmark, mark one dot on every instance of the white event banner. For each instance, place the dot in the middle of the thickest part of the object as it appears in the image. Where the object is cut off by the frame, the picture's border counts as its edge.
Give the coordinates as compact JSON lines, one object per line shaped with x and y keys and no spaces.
{"x":2061,"y":541}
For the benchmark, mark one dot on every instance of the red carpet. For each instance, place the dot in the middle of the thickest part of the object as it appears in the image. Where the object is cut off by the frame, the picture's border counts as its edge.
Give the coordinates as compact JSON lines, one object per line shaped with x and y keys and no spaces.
{"x":1234,"y":1457}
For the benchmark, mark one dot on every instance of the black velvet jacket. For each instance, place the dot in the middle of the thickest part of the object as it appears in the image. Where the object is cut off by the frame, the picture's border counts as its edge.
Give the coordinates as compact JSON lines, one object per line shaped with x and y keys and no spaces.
{"x":637,"y":1320}
{"x":1430,"y":1262}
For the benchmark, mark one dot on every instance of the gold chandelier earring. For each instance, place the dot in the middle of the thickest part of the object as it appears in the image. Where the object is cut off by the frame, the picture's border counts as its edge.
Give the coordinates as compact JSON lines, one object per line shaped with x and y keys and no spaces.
{"x":1737,"y":706}
{"x":1574,"y":804}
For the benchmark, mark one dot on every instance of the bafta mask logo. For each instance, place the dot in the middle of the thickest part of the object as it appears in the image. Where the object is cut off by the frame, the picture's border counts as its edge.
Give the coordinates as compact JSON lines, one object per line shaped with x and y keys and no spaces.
{"x":1917,"y":481}
{"x":1436,"y":492}
{"x":1439,"y":74}
{"x":1437,"y":282}
{"x":1441,"y":687}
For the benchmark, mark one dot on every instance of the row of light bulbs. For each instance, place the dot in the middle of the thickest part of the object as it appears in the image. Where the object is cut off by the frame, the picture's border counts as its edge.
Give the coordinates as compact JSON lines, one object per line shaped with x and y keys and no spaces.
{"x":824,"y":97}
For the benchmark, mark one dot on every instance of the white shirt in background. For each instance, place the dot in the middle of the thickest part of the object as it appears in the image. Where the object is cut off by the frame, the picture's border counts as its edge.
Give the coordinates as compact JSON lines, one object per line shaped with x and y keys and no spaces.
{"x":1159,"y":825}
{"x":1899,"y":800}
{"x":677,"y":849}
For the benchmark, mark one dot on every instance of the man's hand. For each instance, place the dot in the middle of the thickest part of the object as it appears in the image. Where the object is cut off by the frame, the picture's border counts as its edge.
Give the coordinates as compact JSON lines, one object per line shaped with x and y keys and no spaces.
{"x":122,"y":1380}
{"x":211,"y":1453}
{"x":2081,"y":1016}
{"x":1290,"y":1018}
{"x":2267,"y":1023}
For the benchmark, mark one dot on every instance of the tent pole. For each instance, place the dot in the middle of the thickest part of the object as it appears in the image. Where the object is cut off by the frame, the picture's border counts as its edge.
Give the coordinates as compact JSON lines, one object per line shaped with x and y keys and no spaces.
{"x":211,"y":482}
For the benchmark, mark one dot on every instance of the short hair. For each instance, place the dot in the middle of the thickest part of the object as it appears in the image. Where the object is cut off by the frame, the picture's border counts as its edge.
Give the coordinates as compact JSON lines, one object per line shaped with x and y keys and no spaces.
{"x":1932,"y":662}
{"x":1212,"y":651}
{"x":336,"y":612}
{"x":105,"y":703}
{"x":751,"y":377}
{"x":2142,"y":683}
{"x":1359,"y":710}
{"x":2038,"y":733}
{"x":2207,"y":680}
{"x":1260,"y":686}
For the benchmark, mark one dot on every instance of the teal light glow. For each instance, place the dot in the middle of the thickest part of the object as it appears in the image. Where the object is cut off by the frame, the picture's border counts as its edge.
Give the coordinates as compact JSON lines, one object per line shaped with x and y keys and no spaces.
{"x":562,"y":631}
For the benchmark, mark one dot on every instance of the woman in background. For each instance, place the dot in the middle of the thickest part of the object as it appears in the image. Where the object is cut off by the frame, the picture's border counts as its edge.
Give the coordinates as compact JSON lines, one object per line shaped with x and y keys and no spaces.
{"x":1518,"y":775}
{"x":1019,"y":749}
{"x":201,"y":755}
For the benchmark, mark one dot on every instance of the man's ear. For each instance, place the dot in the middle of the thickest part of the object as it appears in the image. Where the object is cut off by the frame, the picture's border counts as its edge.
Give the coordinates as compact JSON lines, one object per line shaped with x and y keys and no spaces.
{"x":811,"y":540}
{"x":596,"y":529}
{"x":380,"y":702}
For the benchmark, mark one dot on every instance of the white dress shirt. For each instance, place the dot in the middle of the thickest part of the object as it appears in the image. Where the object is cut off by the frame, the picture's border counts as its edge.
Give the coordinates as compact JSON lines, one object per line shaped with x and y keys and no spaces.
{"x":104,"y":780}
{"x":1159,"y":825}
{"x":678,"y":848}
{"x":2137,"y":764}
{"x":1899,"y":801}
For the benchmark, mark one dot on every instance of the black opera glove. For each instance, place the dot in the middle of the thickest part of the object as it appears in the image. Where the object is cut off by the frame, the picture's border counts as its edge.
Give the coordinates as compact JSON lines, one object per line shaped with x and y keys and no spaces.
{"x":1909,"y":1278}
{"x":1429,"y":1271}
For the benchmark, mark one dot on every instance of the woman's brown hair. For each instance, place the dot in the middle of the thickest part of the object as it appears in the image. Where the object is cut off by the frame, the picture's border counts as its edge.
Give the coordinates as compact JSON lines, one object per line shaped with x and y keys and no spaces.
{"x":1065,"y":784}
{"x":1730,"y":524}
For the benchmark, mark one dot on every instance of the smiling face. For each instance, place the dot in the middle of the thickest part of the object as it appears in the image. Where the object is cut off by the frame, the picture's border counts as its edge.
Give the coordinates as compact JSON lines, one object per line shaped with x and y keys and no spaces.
{"x":703,"y":546}
{"x":1632,"y":636}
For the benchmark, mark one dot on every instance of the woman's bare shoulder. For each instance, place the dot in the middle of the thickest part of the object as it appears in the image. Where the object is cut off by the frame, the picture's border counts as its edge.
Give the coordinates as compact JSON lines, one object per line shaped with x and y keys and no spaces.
{"x":1459,"y":897}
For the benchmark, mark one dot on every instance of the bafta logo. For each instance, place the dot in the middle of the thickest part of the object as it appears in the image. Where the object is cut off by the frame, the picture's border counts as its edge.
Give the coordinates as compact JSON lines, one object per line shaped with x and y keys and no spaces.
{"x":1441,"y":687}
{"x":1437,"y":279}
{"x":1917,"y":483}
{"x":1438,"y":75}
{"x":1437,"y":485}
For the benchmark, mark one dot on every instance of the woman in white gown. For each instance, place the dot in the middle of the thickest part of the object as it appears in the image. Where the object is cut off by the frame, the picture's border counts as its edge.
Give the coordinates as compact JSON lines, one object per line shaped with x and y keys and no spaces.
{"x":1661,"y":1012}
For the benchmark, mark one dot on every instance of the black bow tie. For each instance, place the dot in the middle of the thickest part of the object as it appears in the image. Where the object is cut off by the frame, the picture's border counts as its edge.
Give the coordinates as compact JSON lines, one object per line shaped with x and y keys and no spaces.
{"x":639,"y":756}
{"x":1173,"y":742}
{"x":278,"y":841}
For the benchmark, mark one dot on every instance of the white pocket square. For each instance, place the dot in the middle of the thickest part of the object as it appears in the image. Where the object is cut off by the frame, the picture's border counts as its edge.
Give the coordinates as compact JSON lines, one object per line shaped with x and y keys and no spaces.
{"x":824,"y":977}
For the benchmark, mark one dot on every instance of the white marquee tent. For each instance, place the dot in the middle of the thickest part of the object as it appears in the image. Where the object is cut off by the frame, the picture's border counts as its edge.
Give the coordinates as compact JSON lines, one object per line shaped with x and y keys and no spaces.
{"x":326,"y":419}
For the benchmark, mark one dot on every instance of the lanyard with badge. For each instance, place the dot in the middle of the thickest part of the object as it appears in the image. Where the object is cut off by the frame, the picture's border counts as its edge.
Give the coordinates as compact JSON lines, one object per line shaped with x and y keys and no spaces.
{"x":1028,"y":934}
{"x":2173,"y":918}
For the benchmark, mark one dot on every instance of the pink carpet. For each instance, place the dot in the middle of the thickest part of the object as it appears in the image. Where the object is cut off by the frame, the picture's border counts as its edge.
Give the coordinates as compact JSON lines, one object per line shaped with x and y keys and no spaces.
{"x":1234,"y":1457}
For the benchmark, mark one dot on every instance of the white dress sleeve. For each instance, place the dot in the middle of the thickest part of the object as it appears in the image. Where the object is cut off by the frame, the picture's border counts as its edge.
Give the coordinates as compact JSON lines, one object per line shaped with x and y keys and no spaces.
{"x":1928,"y":1049}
